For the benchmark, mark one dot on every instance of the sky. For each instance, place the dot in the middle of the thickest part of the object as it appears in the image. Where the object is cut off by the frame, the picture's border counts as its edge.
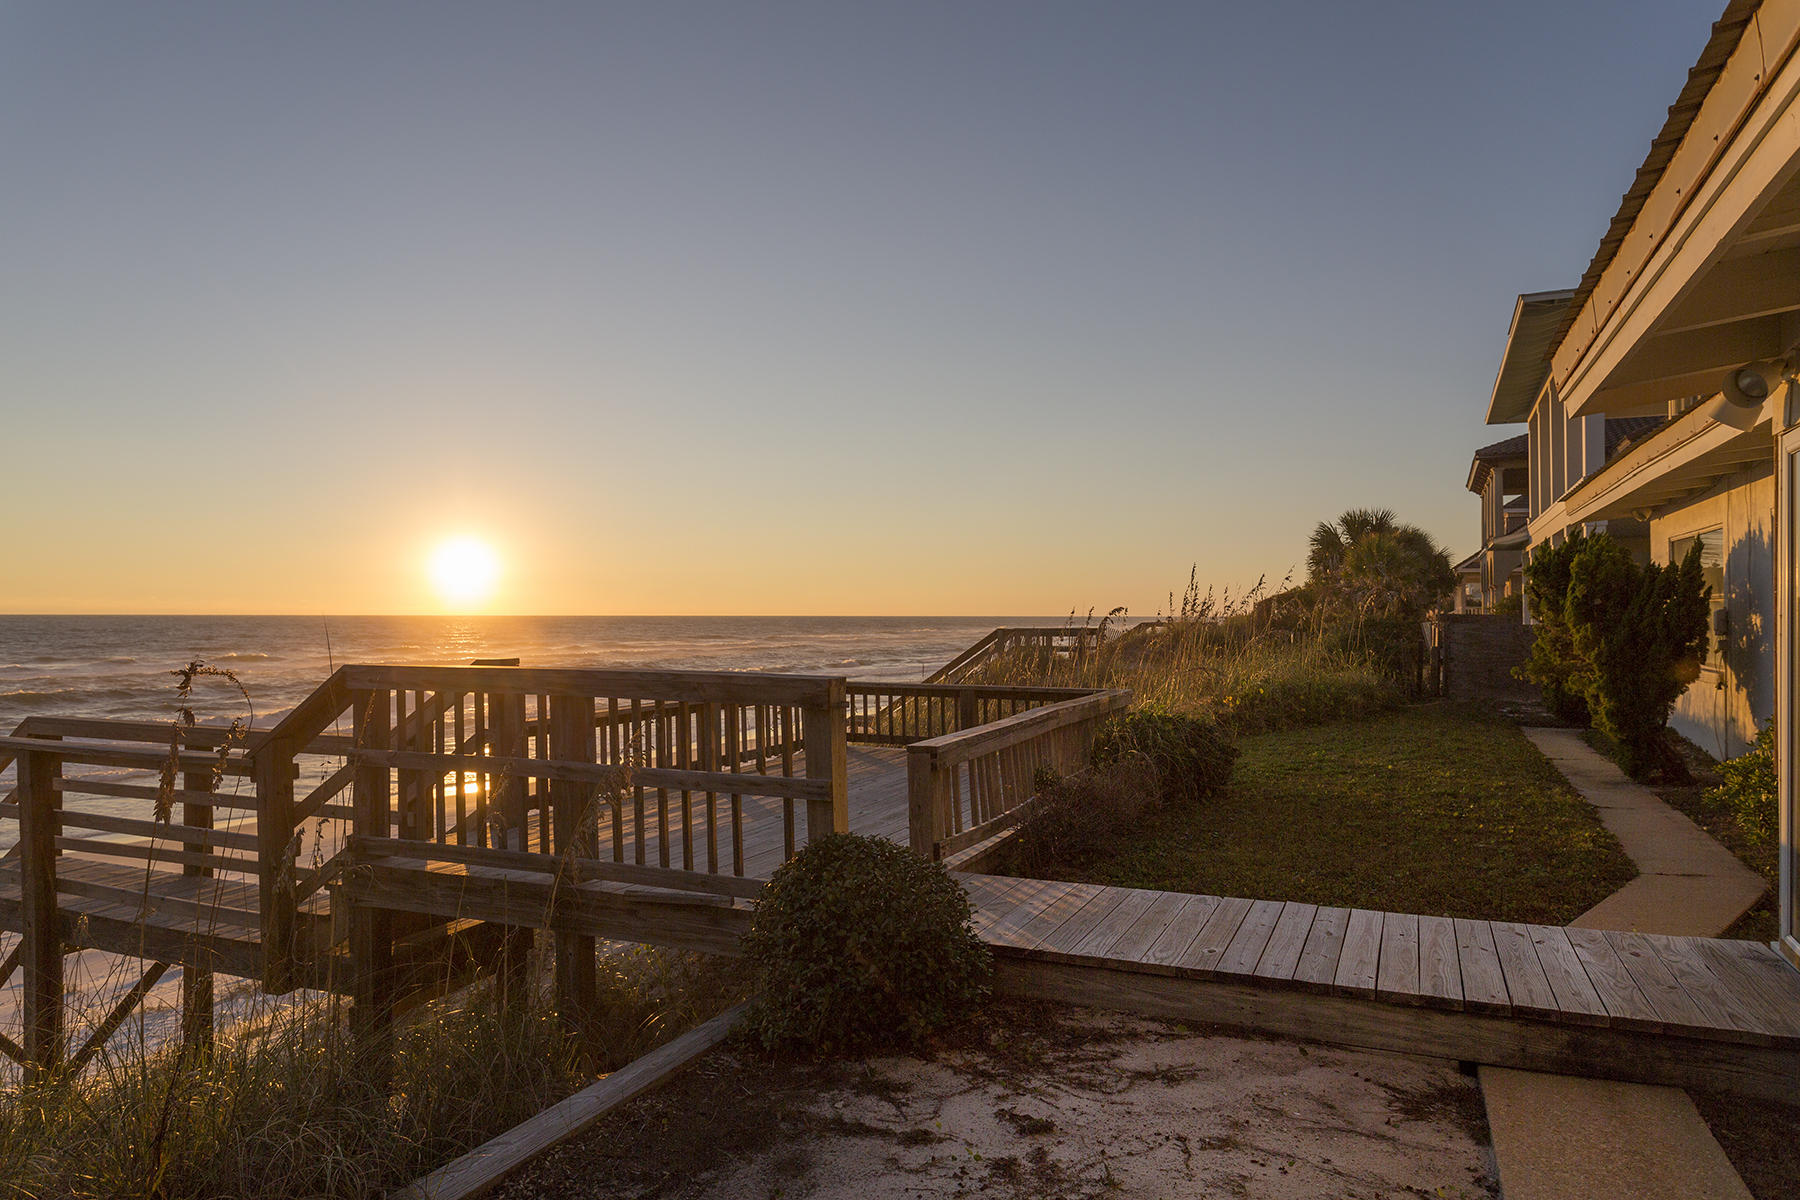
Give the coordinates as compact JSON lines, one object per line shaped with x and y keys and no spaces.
{"x":756,"y":308}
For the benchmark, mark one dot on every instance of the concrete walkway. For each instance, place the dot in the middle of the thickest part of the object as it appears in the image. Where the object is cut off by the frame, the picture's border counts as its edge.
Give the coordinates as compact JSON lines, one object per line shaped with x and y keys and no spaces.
{"x":1688,"y":885}
{"x":1559,"y":1137}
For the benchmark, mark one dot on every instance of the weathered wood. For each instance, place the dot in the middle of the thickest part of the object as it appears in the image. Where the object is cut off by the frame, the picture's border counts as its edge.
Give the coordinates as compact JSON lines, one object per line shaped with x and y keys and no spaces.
{"x":42,"y":952}
{"x":1359,"y":964}
{"x":1440,"y":974}
{"x":485,"y":1166}
{"x":1397,"y":973}
{"x":1173,"y":942}
{"x":1204,"y":952}
{"x":1281,"y":956}
{"x":1246,"y":947}
{"x":1576,"y":998}
{"x":1654,"y":980}
{"x":1324,"y":946}
{"x":576,"y":820}
{"x":1754,"y":1071}
{"x":371,"y":928}
{"x":694,"y":687}
{"x":826,"y":759}
{"x":1483,"y":980}
{"x":197,"y":979}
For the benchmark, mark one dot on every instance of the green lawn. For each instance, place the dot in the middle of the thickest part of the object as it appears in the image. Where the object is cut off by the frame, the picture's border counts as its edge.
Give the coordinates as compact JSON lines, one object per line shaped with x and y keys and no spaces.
{"x":1431,"y":809}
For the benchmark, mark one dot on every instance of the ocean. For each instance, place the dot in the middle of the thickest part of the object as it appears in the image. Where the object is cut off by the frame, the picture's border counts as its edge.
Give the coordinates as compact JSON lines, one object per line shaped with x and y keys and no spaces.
{"x":121,"y":667}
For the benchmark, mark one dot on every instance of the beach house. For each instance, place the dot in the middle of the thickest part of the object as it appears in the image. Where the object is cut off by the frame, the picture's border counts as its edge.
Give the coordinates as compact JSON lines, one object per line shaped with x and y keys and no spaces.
{"x":1658,"y":395}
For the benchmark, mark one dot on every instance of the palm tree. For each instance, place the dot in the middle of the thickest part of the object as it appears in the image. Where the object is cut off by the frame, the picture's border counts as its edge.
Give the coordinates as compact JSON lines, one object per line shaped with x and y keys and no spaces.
{"x":1369,"y":561}
{"x":1331,"y":541}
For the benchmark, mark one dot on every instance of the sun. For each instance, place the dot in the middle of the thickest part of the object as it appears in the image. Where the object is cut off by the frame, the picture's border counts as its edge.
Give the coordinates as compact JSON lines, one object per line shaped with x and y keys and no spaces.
{"x":464,"y":571}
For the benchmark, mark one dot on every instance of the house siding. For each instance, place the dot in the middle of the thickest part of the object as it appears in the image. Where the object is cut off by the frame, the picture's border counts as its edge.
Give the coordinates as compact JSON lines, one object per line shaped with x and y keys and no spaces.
{"x":1720,"y":711}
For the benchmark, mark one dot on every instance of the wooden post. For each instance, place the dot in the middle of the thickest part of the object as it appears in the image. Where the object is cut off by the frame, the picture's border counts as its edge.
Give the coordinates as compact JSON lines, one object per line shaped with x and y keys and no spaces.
{"x":197,"y":975}
{"x":274,"y":765}
{"x":922,"y":785}
{"x":42,"y":942}
{"x":968,"y":709}
{"x":827,"y":757}
{"x":510,"y":742}
{"x":371,"y":929}
{"x":576,"y":819}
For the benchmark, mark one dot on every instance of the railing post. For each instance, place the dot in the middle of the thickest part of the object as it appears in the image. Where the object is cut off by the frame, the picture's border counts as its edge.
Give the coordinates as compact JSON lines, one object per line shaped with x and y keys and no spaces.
{"x":576,"y":823}
{"x":923,"y":785}
{"x":968,"y":709}
{"x":828,"y":757}
{"x":274,"y":765}
{"x":42,"y":944}
{"x":513,"y":802}
{"x":197,"y":975}
{"x":371,"y":928}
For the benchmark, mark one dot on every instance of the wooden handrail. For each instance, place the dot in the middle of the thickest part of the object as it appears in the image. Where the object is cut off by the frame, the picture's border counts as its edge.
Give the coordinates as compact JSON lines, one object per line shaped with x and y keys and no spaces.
{"x":1073,"y":638}
{"x":999,"y":762}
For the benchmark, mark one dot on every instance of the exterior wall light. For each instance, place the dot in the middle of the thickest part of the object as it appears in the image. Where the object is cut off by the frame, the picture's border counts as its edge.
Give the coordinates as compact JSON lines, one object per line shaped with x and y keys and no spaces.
{"x":1739,"y":403}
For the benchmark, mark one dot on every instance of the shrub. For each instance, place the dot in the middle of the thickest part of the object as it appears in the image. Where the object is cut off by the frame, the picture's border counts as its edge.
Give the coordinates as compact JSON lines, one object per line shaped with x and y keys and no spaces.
{"x":857,"y":944}
{"x":1552,"y":663}
{"x":1077,"y":819}
{"x":1638,"y":633}
{"x":1192,"y":757}
{"x":1748,"y":790}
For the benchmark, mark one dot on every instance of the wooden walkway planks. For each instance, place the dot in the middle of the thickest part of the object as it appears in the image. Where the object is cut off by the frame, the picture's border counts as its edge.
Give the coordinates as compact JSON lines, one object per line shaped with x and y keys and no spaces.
{"x":1720,"y":991}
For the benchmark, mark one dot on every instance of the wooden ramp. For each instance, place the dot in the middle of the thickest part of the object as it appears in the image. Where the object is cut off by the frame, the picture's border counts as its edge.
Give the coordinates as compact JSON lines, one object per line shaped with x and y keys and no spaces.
{"x":1684,"y":1011}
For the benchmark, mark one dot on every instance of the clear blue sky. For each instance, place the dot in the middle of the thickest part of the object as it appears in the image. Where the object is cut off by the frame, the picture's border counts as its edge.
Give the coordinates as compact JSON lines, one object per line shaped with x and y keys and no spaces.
{"x":973,"y":307}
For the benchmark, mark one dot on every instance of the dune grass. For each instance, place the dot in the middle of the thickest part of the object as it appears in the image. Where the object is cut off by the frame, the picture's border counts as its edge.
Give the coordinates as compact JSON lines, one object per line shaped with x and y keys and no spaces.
{"x":1432,"y":809}
{"x":283,"y":1107}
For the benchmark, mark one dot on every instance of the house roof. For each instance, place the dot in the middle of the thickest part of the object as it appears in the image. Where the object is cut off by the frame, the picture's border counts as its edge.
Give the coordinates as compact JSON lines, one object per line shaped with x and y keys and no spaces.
{"x":1512,"y":447}
{"x":1536,"y":321}
{"x":1727,"y":31}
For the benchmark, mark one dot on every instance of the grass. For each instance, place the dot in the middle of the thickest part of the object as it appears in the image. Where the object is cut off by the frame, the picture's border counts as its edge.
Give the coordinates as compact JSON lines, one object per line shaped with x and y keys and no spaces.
{"x":1248,"y":679}
{"x":283,"y":1107}
{"x":1432,"y":809}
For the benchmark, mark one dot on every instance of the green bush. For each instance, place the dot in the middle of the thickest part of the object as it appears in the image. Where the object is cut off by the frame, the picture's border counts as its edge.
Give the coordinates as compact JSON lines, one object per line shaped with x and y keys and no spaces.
{"x":1552,"y":663}
{"x":1638,"y":633}
{"x":1080,"y":818}
{"x":1748,"y":790}
{"x":1192,"y":757}
{"x":860,"y":944}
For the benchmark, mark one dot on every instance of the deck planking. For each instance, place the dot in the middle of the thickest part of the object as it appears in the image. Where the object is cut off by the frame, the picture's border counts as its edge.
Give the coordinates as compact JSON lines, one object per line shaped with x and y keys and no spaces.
{"x":1731,"y":993}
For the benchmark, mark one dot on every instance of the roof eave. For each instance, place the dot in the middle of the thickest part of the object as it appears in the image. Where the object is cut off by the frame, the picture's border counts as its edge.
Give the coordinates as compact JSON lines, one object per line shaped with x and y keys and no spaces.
{"x":1525,"y":363}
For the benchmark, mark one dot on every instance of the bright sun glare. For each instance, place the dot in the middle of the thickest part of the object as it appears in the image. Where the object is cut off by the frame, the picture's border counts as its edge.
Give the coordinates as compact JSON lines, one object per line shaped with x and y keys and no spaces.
{"x":464,"y":571}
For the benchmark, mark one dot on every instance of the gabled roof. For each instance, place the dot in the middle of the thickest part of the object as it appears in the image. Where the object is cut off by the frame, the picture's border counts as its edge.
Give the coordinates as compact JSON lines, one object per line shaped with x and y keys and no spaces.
{"x":1536,"y":321}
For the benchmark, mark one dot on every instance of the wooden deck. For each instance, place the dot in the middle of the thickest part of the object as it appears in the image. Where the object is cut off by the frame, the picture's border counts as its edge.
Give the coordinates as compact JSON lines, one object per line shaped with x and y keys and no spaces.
{"x":421,"y":879}
{"x":1675,"y":1010}
{"x":1686,"y":1011}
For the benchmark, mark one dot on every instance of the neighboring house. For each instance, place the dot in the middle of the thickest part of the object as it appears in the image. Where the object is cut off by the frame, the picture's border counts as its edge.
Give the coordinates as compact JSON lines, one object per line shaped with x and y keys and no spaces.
{"x":1687,"y":322}
{"x":1500,"y":475}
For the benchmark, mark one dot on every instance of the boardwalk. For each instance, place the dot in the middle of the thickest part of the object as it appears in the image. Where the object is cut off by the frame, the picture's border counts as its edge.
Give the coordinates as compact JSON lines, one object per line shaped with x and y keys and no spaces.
{"x":447,"y":809}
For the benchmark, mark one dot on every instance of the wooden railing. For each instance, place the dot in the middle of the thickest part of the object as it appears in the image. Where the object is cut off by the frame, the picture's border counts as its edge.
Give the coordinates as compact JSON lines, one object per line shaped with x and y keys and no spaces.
{"x":668,"y":768}
{"x":899,"y":714}
{"x":1058,"y":641}
{"x":111,"y":873}
{"x":966,"y":787}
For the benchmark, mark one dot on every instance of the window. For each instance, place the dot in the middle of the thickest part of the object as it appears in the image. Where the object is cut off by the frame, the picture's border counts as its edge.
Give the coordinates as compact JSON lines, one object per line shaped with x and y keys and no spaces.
{"x":1712,"y":571}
